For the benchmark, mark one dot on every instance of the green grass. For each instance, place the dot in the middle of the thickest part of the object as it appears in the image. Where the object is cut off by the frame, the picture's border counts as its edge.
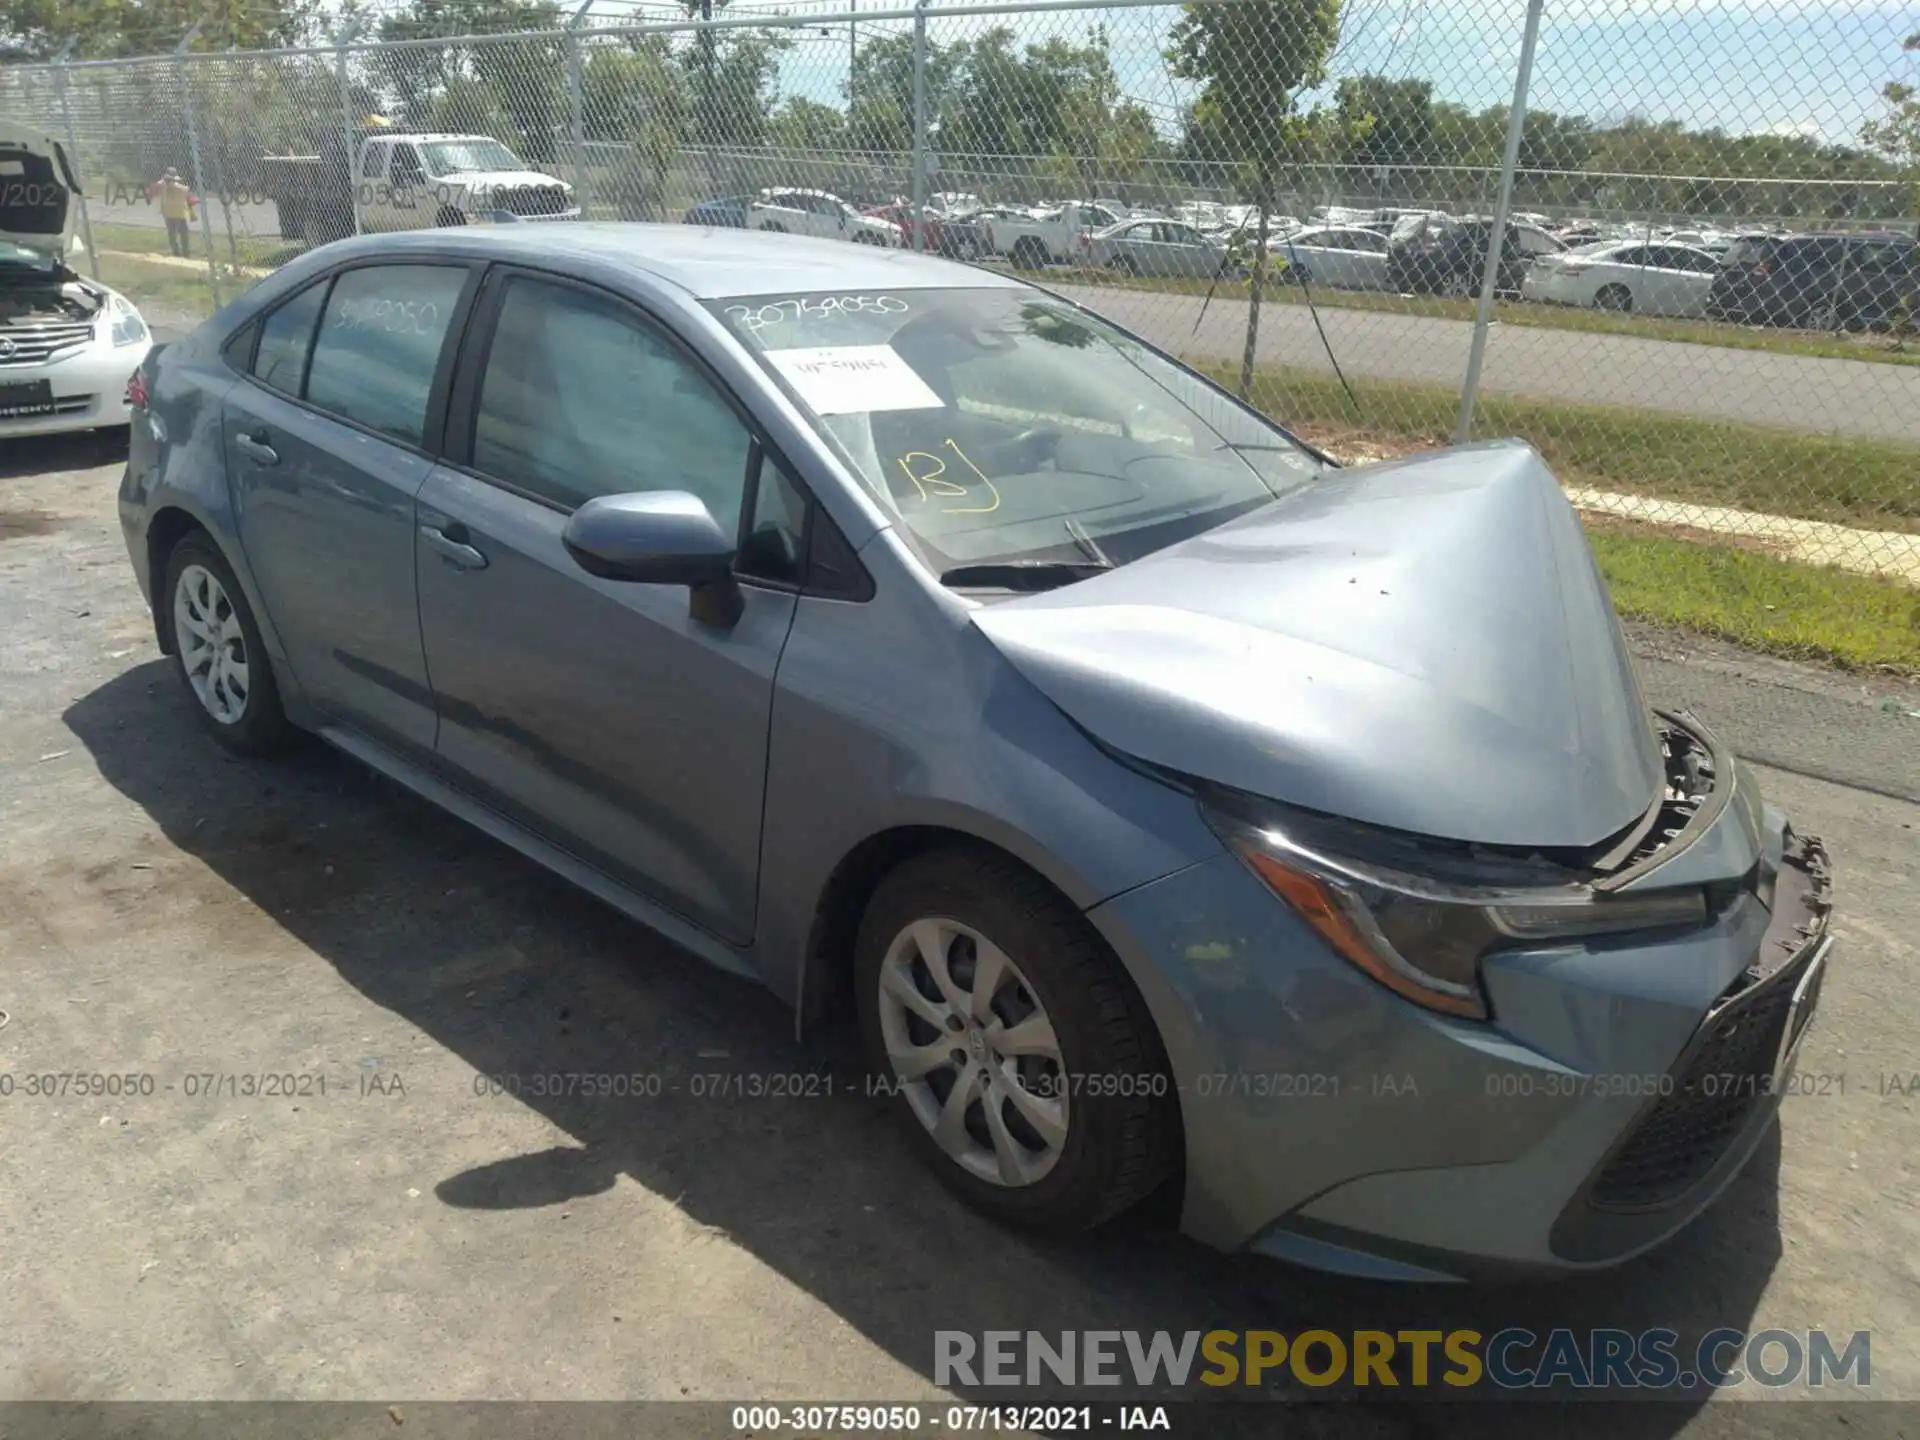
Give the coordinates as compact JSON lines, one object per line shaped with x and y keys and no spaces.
{"x":261,"y":251}
{"x":1878,"y":349}
{"x":1780,"y":606}
{"x":166,"y":294}
{"x":1873,"y":484}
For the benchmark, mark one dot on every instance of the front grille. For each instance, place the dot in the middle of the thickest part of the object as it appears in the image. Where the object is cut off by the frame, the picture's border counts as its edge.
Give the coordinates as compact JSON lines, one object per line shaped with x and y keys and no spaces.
{"x":1728,"y":1069}
{"x":65,"y":405}
{"x":36,"y":344}
{"x":1730,"y":1072}
{"x":532,"y":200}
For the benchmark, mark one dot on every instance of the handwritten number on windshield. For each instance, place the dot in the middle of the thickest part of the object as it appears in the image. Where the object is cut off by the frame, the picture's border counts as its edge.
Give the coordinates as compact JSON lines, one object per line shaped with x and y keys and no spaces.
{"x":931,"y":482}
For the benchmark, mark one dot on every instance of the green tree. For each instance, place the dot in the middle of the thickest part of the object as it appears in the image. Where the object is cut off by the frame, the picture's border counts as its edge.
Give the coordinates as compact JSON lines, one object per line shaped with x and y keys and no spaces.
{"x":1392,"y":120}
{"x":882,"y":111}
{"x":1896,"y":134}
{"x":803,"y":124}
{"x":513,"y":90}
{"x":1252,"y":60}
{"x":636,"y":94}
{"x":108,"y":29}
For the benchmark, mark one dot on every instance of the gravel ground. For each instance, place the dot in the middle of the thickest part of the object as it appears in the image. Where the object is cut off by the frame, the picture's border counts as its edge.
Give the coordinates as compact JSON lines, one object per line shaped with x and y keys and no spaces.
{"x":170,"y":911}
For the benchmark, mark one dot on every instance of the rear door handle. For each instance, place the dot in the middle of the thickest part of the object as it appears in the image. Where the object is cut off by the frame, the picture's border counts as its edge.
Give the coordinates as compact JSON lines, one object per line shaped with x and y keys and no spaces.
{"x":256,"y":448}
{"x":453,"y":547}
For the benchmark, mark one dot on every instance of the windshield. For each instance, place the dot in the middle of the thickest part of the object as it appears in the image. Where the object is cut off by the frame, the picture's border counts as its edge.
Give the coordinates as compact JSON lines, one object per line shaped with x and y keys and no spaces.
{"x":453,"y":157}
{"x":19,"y":257}
{"x":1002,"y":424}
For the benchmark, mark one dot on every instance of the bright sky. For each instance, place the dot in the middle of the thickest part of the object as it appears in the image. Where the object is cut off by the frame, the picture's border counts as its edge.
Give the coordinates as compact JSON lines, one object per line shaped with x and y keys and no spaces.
{"x":1813,"y":69}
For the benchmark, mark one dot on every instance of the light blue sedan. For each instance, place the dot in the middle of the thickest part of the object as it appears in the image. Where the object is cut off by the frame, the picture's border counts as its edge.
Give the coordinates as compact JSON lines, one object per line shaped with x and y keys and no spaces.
{"x":1172,"y":808}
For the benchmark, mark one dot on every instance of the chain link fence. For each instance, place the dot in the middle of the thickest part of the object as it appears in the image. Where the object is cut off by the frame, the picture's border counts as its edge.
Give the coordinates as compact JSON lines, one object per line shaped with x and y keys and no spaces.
{"x":1672,"y":248}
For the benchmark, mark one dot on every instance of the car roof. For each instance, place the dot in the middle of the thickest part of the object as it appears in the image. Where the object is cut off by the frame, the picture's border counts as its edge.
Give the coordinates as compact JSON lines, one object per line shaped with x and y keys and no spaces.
{"x":707,"y":263}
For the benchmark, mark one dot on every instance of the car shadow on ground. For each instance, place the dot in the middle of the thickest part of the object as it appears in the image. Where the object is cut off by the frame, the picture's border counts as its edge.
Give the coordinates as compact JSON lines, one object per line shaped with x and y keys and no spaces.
{"x":519,"y":974}
{"x":43,"y":454}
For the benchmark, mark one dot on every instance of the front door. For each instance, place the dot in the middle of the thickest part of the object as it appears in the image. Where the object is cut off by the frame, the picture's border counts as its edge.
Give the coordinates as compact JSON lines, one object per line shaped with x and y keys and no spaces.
{"x":324,"y":445}
{"x":601,"y":714}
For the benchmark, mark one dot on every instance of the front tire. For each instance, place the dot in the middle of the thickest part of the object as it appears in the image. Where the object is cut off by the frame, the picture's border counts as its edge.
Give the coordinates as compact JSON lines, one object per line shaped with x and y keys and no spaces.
{"x":218,"y":654}
{"x":1023,"y":1063}
{"x":1616,"y":298}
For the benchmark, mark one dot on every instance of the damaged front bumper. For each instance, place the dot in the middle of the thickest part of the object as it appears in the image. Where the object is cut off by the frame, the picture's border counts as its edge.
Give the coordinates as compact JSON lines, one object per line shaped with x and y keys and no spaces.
{"x":1619,"y":1085}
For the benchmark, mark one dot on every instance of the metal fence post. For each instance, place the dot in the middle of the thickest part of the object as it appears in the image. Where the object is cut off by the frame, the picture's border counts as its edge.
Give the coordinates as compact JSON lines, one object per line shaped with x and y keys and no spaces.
{"x":193,"y":159}
{"x":577,"y":106}
{"x":919,"y":124}
{"x":1496,"y":242}
{"x":350,"y":146}
{"x":73,"y":155}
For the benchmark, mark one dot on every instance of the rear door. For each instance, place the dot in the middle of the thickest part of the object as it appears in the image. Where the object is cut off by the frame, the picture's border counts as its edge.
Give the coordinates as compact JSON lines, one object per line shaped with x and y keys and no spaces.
{"x":328,"y":440}
{"x":603,"y":715}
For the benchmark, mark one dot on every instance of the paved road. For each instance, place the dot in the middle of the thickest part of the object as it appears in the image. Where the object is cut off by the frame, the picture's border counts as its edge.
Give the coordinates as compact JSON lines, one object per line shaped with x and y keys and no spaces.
{"x":1753,"y":386}
{"x":169,"y":910}
{"x":1846,"y":397}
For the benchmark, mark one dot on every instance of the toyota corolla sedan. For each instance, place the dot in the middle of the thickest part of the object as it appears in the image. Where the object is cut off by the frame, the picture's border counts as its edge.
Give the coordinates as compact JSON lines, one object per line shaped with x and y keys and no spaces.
{"x":68,"y":345}
{"x":1172,"y":808}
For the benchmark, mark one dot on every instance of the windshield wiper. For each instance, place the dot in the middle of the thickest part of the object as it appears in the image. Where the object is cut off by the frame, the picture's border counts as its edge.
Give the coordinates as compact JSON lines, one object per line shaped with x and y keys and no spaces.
{"x":1023,"y":574}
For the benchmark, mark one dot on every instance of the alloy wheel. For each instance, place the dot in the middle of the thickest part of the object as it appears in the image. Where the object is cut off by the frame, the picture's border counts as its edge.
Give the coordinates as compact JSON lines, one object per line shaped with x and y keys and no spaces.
{"x":974,"y":1052}
{"x":213,"y":646}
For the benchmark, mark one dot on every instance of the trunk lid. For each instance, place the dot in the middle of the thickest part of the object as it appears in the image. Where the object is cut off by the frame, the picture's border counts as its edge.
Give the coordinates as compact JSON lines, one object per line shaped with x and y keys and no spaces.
{"x":1425,"y":644}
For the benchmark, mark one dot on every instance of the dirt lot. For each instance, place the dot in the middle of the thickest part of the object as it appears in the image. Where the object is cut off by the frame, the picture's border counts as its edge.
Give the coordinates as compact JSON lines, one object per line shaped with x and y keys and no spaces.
{"x":168,"y":911}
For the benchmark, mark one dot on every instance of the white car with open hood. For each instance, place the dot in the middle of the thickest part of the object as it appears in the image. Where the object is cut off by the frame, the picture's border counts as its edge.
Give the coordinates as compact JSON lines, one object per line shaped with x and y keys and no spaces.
{"x":68,"y":345}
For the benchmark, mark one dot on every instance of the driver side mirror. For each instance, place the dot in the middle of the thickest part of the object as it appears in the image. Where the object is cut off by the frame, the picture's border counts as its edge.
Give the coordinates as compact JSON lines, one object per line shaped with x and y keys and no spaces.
{"x":658,"y":537}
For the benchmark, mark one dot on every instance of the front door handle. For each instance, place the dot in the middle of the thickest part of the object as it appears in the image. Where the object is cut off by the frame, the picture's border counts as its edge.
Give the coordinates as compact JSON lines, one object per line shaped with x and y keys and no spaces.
{"x":453,"y":549}
{"x":256,"y":447}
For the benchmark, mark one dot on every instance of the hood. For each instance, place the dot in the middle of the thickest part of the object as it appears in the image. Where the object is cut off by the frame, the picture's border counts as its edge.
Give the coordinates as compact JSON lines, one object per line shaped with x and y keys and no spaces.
{"x":1425,"y":645}
{"x":505,"y":180}
{"x":39,"y":204}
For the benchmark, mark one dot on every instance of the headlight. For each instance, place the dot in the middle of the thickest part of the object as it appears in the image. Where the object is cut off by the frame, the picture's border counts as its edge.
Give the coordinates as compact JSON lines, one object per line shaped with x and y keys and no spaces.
{"x":128,"y":327}
{"x":1422,"y":932}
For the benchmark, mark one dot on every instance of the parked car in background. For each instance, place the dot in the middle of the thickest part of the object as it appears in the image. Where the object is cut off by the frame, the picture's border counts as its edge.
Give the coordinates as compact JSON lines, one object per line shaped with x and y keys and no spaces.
{"x":728,"y":211}
{"x":1664,"y":279}
{"x":1340,"y":257}
{"x":818,"y":213}
{"x":1158,"y":247}
{"x":1441,"y":255}
{"x":973,"y":229}
{"x":933,"y":232}
{"x":1057,"y":237}
{"x":69,"y":346}
{"x":1818,"y":282}
{"x":1200,"y":758}
{"x":405,"y":181}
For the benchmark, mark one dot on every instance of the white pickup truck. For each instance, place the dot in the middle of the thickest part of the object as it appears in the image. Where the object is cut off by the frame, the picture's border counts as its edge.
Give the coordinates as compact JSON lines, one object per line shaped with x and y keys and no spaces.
{"x":1051,"y":237}
{"x":405,"y":181}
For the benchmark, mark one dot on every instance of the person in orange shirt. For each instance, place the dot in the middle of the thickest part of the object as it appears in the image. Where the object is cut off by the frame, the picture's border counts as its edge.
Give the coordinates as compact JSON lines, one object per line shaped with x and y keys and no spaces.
{"x":176,"y":208}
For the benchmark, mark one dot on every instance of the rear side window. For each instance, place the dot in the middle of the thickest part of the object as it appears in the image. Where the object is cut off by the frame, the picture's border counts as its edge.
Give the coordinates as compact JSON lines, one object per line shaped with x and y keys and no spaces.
{"x":285,"y":337}
{"x":379,"y":345}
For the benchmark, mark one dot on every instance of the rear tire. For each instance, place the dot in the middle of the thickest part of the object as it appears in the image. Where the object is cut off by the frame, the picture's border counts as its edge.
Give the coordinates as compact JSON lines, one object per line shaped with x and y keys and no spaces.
{"x":1616,"y":298}
{"x":1029,"y":254}
{"x":1067,"y":1114}
{"x":774,"y":227}
{"x":218,"y":654}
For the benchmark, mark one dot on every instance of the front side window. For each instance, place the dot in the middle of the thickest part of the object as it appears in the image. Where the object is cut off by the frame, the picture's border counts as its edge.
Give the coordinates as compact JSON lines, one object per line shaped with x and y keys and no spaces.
{"x":1003,"y":424}
{"x":285,"y":338}
{"x":379,"y":343}
{"x":580,"y":398}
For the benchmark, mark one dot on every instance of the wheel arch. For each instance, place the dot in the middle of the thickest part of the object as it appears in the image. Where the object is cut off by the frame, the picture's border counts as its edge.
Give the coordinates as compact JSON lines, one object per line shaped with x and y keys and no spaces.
{"x":171,"y":523}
